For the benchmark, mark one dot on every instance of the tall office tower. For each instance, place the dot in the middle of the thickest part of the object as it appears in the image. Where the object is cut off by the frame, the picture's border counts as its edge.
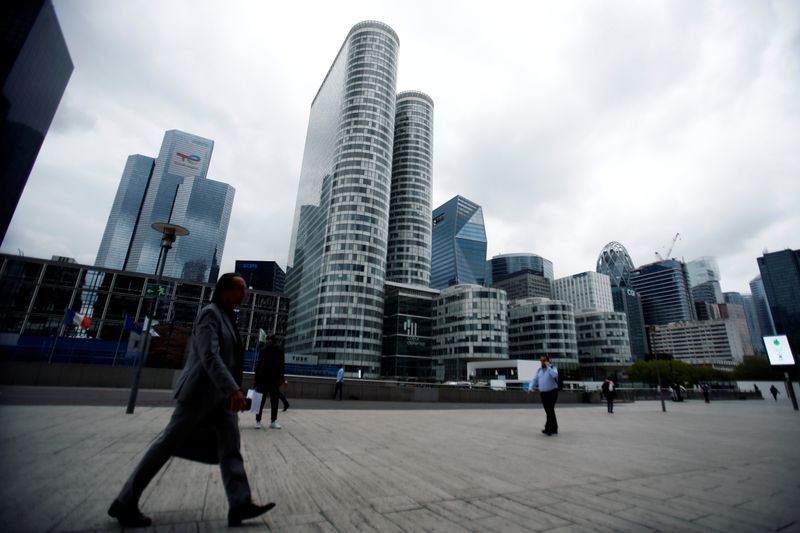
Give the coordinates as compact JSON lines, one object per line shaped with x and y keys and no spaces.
{"x":587,"y":291}
{"x":35,"y":67}
{"x":469,"y":324}
{"x":337,"y":256}
{"x":780,"y":272}
{"x":172,"y":188}
{"x":459,"y":244}
{"x":734,"y":312}
{"x":117,"y":238}
{"x":704,"y":278}
{"x":501,"y":266}
{"x":615,"y":262}
{"x":763,"y":312}
{"x":541,"y":326}
{"x":525,"y":284}
{"x":745,"y":301}
{"x":409,"y":246}
{"x":664,"y":289}
{"x":262,"y":275}
{"x":603,"y":346}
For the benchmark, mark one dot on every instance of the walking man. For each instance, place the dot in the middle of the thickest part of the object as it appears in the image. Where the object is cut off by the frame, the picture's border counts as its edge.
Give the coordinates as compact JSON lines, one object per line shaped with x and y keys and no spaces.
{"x":205,"y":423}
{"x":706,"y":392}
{"x":339,"y":383}
{"x":546,"y":382}
{"x":774,"y":391}
{"x":269,"y":379}
{"x":609,"y":393}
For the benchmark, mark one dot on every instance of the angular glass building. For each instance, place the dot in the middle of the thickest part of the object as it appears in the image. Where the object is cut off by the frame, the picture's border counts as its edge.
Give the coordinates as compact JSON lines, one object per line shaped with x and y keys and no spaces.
{"x":172,"y":188}
{"x":35,"y":67}
{"x":664,"y":289}
{"x":704,"y":280}
{"x":780,"y":272}
{"x":337,"y":256}
{"x":459,"y":244}
{"x":501,"y":266}
{"x":766,"y":325}
{"x":409,"y":246}
{"x":121,"y":225}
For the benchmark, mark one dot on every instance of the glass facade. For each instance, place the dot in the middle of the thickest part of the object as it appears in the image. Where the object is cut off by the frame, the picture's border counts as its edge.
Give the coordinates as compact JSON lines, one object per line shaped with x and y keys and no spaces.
{"x":664,"y":289}
{"x":501,"y":266}
{"x":458,"y":254}
{"x":616,"y":263}
{"x":525,"y":284}
{"x":337,"y":256}
{"x":766,"y":325}
{"x":409,"y":246}
{"x":780,"y":273}
{"x":541,"y":326}
{"x":116,"y":242}
{"x":469,"y":324}
{"x":603,"y":345}
{"x":587,"y":291}
{"x":407,"y":333}
{"x":36,"y":293}
{"x":35,"y":67}
{"x":262,"y":275}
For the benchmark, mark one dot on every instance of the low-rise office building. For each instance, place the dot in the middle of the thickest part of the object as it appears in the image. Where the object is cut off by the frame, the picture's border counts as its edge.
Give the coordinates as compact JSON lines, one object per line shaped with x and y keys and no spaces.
{"x":524,"y":285}
{"x":715,"y":343}
{"x":603,"y":345}
{"x":407,"y":332}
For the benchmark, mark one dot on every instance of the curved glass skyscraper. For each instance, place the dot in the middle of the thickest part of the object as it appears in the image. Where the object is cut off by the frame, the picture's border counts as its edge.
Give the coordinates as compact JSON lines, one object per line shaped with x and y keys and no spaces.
{"x":616,"y":263}
{"x":409,"y":248}
{"x":337,"y":256}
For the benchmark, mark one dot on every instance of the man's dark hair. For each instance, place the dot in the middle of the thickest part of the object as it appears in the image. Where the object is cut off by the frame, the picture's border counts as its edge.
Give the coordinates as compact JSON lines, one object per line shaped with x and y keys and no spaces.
{"x":224,"y":283}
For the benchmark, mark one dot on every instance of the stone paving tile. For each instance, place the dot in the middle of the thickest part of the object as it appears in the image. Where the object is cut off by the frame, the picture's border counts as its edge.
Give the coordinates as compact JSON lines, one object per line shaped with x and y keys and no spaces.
{"x":593,"y":518}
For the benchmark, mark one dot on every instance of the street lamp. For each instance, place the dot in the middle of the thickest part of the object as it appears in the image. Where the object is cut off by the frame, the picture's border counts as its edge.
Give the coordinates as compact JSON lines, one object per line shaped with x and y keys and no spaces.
{"x":169,"y":233}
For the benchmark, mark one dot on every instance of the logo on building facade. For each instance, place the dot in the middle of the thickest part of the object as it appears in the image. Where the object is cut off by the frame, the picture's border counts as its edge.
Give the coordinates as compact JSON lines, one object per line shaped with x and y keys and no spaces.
{"x":410,"y":327}
{"x":184,"y":157}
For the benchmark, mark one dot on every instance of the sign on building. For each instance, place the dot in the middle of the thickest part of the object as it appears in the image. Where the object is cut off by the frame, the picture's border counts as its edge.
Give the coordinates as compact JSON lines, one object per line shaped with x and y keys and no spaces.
{"x":778,"y":350}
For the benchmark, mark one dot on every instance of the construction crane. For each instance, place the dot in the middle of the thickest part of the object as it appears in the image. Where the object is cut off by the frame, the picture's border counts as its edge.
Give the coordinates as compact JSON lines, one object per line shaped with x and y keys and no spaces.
{"x":671,"y":246}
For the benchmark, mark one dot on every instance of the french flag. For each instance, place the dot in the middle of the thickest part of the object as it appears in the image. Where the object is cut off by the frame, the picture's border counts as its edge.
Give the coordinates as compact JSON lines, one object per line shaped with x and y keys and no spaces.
{"x":82,"y":321}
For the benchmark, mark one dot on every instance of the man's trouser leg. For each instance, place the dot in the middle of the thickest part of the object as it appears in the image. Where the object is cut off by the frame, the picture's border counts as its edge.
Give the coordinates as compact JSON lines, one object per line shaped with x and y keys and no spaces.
{"x":261,"y":407}
{"x":549,"y":402}
{"x":274,"y":394}
{"x":184,"y":420}
{"x":231,"y":464}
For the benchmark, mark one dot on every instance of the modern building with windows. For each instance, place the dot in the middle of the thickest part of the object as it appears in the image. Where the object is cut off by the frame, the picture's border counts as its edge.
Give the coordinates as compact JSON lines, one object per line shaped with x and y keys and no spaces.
{"x":409,"y":246}
{"x":501,"y":266}
{"x":587,"y":291}
{"x":541,"y":326}
{"x":615,"y":262}
{"x":262,"y":275}
{"x":469,"y":324}
{"x":525,"y":284}
{"x":36,"y":293}
{"x":337,"y":257}
{"x":714,"y":343}
{"x":603,"y":345}
{"x":408,"y":332}
{"x":704,"y":280}
{"x":171,"y":188}
{"x":761,"y":304}
{"x":740,"y":307}
{"x":780,"y":273}
{"x":459,"y":244}
{"x":34,"y":71}
{"x":664,"y":289}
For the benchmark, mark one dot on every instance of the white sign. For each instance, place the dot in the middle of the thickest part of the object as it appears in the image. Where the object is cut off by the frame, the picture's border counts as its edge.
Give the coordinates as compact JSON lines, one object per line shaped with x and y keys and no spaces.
{"x":778,"y":350}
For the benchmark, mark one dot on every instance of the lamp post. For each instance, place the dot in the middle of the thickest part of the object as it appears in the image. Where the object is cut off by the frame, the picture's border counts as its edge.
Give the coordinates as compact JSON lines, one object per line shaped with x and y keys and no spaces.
{"x":169,"y":233}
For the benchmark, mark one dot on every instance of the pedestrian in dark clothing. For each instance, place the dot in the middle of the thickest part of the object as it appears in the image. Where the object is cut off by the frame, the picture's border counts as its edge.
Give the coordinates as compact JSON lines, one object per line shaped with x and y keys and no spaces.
{"x":706,"y":392}
{"x":774,"y":391}
{"x":546,"y":382}
{"x":609,"y":392}
{"x":268,"y":380}
{"x":205,"y":425}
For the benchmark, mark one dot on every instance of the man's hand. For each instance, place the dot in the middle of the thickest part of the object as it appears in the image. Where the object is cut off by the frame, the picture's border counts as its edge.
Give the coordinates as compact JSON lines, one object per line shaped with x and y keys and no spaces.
{"x":238,"y":401}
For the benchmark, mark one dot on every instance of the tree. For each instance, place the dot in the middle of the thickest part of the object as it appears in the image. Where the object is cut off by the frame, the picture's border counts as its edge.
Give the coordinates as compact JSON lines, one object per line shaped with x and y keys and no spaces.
{"x":756,"y":368}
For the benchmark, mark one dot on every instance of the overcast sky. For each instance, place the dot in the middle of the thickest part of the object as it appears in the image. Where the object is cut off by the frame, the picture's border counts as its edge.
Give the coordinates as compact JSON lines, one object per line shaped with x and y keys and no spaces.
{"x":571,"y":123}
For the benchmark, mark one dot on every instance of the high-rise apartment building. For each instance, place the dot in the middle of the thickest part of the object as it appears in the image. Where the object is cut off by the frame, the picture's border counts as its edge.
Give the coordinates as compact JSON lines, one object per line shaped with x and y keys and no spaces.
{"x":409,"y":246}
{"x":172,"y":188}
{"x":501,"y":266}
{"x":459,"y":244}
{"x":587,"y":291}
{"x":35,"y":67}
{"x":664,"y":289}
{"x":337,"y":257}
{"x":780,"y":272}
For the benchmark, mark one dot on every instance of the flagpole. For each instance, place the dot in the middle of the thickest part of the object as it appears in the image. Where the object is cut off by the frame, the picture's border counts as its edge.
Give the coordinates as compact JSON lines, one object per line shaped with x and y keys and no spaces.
{"x":119,"y":341}
{"x":58,"y":334}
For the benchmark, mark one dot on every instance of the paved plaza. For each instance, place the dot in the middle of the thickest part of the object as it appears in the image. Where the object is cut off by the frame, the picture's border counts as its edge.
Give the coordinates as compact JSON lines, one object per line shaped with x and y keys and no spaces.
{"x":725,"y":466}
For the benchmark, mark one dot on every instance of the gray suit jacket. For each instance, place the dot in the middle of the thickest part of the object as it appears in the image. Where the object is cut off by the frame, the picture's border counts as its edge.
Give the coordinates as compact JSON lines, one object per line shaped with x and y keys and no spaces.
{"x":207,"y":378}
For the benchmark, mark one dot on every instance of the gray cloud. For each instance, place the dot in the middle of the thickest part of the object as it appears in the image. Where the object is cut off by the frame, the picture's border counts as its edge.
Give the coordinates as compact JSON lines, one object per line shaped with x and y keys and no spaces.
{"x":572,"y":123}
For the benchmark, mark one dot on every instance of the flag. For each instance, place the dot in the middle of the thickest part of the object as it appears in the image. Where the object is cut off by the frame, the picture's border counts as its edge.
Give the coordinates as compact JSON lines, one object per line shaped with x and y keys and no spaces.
{"x":262,"y":335}
{"x":147,"y":324}
{"x":73,"y":318}
{"x":132,"y":326}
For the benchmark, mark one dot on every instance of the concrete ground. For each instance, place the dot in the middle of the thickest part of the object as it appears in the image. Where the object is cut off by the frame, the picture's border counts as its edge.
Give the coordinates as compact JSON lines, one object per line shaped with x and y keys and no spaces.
{"x":725,"y":466}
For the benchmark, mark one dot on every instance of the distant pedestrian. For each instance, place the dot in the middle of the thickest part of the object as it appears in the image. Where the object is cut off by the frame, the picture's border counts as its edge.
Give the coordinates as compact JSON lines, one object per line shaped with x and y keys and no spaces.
{"x":774,"y":391}
{"x":204,"y":425}
{"x":609,"y":393}
{"x":546,"y":382}
{"x":339,"y":383}
{"x":269,"y":378}
{"x":706,"y":392}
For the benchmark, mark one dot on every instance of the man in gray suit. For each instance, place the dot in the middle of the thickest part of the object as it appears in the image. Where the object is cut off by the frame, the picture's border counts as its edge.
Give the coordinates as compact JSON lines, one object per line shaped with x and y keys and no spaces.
{"x":205,"y":419}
